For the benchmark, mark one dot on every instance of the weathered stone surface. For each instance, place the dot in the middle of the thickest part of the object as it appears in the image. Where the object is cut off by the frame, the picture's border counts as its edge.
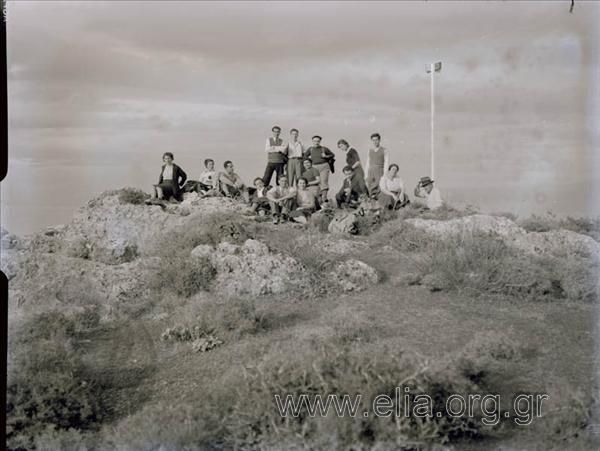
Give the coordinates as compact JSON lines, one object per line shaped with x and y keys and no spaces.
{"x":353,"y":275}
{"x":555,"y":241}
{"x":251,"y":269}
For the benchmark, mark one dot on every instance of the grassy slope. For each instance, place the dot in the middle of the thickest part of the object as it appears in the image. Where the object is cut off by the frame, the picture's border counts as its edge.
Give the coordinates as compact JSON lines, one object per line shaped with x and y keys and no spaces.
{"x":139,"y":373}
{"x":557,"y":339}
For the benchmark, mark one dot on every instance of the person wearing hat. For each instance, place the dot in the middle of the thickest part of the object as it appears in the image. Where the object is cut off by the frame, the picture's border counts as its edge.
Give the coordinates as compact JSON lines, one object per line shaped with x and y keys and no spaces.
{"x":322,"y":160}
{"x":377,"y":160}
{"x":277,"y":156}
{"x":426,"y":190}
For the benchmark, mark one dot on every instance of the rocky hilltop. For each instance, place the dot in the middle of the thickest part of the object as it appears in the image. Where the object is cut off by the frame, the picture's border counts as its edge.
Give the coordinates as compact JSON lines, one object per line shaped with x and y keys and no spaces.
{"x":141,"y":318}
{"x":112,"y":246}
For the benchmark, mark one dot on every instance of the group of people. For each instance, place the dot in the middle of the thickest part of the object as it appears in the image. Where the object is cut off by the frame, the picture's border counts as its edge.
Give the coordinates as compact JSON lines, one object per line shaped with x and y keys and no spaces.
{"x":301,"y":184}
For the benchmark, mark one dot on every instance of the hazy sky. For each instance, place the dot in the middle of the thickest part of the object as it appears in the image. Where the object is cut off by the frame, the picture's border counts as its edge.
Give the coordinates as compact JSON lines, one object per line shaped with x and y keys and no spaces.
{"x":99,"y":90}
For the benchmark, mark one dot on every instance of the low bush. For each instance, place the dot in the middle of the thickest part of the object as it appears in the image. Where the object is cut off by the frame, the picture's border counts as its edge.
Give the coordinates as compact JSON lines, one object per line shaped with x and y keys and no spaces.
{"x":231,"y":318}
{"x":548,"y":222}
{"x":242,"y":412}
{"x":254,"y":420}
{"x":47,"y":391}
{"x":132,"y":196}
{"x":483,"y":264}
{"x":184,"y":275}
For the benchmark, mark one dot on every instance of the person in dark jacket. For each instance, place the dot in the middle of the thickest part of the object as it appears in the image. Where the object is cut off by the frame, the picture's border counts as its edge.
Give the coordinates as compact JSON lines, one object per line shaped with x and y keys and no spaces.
{"x":323,"y":161}
{"x":171,"y":180}
{"x":352,"y":188}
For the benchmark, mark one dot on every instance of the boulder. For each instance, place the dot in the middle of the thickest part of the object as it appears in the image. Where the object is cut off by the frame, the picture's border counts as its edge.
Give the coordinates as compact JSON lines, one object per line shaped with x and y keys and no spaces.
{"x":251,"y":269}
{"x":353,"y":275}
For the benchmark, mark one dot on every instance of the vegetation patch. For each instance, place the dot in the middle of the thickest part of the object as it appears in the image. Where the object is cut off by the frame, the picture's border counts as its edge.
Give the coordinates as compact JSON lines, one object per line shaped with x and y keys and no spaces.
{"x":47,"y":390}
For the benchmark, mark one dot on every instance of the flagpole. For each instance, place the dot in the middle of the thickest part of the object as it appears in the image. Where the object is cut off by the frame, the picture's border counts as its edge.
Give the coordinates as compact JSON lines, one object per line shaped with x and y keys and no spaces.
{"x":432,"y":69}
{"x":432,"y":72}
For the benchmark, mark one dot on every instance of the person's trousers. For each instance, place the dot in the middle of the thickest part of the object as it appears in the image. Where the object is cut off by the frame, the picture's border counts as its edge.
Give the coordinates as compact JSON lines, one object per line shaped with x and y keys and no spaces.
{"x":294,"y":170}
{"x":373,"y":179}
{"x":324,"y":172}
{"x":388,"y":202}
{"x":273,"y":167}
{"x":282,"y":208}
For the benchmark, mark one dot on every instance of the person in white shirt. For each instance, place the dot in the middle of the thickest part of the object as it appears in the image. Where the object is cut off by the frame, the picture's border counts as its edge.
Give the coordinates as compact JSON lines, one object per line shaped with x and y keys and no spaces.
{"x":281,"y":198}
{"x":295,"y":152}
{"x":207,"y":183}
{"x":392,"y":195}
{"x":276,"y":150}
{"x":426,"y":190}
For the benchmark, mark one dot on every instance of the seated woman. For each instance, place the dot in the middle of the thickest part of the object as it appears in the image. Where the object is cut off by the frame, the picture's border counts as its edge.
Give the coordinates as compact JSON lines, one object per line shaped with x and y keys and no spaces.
{"x":392,"y":194}
{"x":171,"y":180}
{"x":207,"y":183}
{"x":306,"y":202}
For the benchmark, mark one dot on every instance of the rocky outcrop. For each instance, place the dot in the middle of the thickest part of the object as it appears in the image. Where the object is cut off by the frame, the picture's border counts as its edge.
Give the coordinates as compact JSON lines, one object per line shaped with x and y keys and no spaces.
{"x":353,"y":275}
{"x":556,"y":241}
{"x":252,"y":269}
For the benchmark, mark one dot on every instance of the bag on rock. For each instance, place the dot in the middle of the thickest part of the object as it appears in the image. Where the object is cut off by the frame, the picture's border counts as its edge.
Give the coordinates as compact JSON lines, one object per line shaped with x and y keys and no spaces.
{"x":344,"y":223}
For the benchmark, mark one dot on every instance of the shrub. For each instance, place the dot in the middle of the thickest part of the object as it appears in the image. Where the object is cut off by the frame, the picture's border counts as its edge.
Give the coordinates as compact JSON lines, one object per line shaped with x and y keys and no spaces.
{"x":232,"y":318}
{"x":184,"y":275}
{"x":132,"y":196}
{"x":47,"y":390}
{"x":483,"y":264}
{"x":585,"y":226}
{"x":254,"y":422}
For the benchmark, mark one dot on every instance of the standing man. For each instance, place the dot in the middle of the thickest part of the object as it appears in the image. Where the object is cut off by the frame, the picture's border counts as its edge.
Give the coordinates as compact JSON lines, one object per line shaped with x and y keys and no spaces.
{"x":295,"y":152}
{"x":322,"y":160}
{"x":377,"y":161}
{"x":277,"y":153}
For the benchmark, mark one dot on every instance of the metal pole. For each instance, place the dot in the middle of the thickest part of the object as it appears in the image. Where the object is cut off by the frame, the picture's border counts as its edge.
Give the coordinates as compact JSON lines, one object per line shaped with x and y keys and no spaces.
{"x":432,"y":121}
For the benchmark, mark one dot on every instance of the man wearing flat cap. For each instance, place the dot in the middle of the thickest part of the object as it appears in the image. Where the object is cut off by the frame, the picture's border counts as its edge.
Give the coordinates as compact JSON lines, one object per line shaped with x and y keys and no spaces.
{"x":276,"y":151}
{"x":426,"y":190}
{"x":322,"y":160}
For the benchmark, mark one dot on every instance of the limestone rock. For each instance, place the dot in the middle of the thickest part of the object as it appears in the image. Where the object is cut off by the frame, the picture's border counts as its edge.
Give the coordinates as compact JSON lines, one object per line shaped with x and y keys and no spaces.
{"x":251,"y":269}
{"x":555,"y":241}
{"x":353,"y":275}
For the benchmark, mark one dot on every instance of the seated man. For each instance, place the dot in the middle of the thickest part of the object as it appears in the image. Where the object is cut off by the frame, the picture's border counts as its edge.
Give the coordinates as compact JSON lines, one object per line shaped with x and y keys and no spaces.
{"x":259,"y":203}
{"x":306,"y":202}
{"x":426,"y":190}
{"x":281,"y":198}
{"x":231,"y":183}
{"x":207,"y":183}
{"x":352,"y":189}
{"x":311,"y":175}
